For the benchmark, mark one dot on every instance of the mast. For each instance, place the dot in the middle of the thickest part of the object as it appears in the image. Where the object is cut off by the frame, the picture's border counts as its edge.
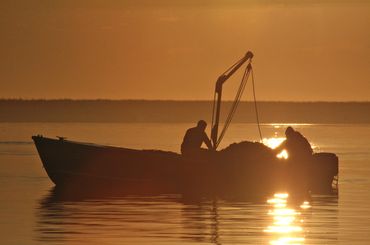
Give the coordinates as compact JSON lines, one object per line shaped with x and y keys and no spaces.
{"x":218,"y":94}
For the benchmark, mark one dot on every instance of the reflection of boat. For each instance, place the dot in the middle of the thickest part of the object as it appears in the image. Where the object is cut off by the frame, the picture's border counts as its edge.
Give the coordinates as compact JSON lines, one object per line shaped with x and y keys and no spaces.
{"x":74,"y":216}
{"x":239,"y":168}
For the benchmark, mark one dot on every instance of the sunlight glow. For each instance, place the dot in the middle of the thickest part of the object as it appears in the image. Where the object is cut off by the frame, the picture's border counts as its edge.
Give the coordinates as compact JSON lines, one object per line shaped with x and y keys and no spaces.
{"x":283,"y":212}
{"x":281,"y":195}
{"x":288,"y":240}
{"x":273,"y":142}
{"x":286,"y":227}
{"x":276,"y":200}
{"x":284,"y":125}
{"x":283,"y":220}
{"x":305,"y":205}
{"x":283,"y":154}
{"x":283,"y":229}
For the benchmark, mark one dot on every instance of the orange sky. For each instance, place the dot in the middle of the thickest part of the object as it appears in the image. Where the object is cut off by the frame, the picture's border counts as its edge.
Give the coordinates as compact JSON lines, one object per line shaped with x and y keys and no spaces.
{"x":304,"y":50}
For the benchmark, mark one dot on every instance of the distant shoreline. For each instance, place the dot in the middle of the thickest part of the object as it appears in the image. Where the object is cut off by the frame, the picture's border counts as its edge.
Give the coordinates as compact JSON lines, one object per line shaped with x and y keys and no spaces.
{"x":172,"y":111}
{"x":167,"y":100}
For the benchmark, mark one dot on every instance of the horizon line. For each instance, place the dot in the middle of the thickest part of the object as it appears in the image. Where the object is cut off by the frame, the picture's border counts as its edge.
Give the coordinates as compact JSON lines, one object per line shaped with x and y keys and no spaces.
{"x":180,"y":100}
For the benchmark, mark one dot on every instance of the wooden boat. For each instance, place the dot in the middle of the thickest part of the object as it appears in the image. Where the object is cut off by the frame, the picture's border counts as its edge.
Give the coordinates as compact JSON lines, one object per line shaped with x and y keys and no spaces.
{"x":239,"y":168}
{"x":244,"y":167}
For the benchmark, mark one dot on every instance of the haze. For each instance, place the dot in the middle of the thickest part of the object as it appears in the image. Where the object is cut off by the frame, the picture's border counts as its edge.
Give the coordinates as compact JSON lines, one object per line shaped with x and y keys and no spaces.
{"x":306,"y":51}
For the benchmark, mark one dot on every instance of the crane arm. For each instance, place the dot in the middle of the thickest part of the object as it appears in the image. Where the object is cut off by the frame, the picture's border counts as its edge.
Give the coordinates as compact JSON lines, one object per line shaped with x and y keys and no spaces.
{"x":218,"y":94}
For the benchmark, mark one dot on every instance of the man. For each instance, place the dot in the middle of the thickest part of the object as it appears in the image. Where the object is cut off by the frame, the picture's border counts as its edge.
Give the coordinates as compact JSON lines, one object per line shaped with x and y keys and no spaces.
{"x":296,"y":145}
{"x":300,"y":151}
{"x":194,"y":138}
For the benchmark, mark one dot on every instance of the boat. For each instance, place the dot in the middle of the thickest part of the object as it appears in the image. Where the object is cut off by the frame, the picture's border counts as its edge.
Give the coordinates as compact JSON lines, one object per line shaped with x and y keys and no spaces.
{"x":239,"y":168}
{"x":244,"y":167}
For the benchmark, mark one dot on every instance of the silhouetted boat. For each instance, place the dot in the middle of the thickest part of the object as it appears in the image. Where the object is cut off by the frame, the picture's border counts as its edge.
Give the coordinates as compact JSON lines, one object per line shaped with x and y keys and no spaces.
{"x":239,"y":168}
{"x":246,"y":167}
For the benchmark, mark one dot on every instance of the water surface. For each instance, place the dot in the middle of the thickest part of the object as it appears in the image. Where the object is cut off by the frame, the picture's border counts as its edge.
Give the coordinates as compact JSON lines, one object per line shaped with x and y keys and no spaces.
{"x":33,"y":212}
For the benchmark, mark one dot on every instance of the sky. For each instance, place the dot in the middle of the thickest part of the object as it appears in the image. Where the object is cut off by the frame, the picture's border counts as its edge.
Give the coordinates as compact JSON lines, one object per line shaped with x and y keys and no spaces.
{"x":175,"y":50}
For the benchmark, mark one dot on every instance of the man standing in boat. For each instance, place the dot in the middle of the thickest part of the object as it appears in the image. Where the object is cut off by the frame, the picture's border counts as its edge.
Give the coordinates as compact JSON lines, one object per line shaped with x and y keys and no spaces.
{"x":194,"y":138}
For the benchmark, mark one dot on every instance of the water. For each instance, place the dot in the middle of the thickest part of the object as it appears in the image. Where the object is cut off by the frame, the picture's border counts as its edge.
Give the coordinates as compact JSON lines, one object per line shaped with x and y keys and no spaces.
{"x":32,"y":213}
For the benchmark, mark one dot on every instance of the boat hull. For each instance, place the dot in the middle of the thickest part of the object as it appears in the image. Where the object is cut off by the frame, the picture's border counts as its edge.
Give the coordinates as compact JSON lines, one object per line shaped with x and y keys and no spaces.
{"x":248,"y":167}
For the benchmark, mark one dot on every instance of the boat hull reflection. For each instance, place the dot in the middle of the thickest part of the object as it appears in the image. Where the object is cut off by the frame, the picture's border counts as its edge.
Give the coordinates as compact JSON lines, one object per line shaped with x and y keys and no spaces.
{"x":156,"y":218}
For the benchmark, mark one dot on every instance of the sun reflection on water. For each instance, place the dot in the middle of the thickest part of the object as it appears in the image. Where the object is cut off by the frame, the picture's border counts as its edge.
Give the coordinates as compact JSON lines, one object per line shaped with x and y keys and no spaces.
{"x":286,"y":227}
{"x":275,"y":142}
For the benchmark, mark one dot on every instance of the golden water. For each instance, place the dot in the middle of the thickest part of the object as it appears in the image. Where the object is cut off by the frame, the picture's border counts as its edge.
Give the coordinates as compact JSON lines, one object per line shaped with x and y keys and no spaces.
{"x":31,"y":212}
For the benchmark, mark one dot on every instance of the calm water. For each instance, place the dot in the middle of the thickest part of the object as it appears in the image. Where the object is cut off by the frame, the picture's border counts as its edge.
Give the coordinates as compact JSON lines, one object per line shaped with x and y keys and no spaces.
{"x":32,"y":213}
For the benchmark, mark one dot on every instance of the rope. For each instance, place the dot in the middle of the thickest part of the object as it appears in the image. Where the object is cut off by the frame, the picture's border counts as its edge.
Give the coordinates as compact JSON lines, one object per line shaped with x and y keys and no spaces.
{"x":247,"y":72}
{"x":235,"y":104}
{"x":255,"y":106}
{"x":214,"y":96}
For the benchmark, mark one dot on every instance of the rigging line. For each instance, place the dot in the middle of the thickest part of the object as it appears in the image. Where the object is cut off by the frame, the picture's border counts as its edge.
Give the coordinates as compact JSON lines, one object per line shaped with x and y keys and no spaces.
{"x":235,"y":104}
{"x":255,"y":106}
{"x":215,"y":93}
{"x":231,"y":67}
{"x":237,"y":99}
{"x":228,"y":119}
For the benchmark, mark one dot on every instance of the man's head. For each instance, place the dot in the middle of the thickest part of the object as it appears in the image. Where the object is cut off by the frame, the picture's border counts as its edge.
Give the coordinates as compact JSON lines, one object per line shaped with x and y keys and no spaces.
{"x":202,"y":125}
{"x":289,"y":132}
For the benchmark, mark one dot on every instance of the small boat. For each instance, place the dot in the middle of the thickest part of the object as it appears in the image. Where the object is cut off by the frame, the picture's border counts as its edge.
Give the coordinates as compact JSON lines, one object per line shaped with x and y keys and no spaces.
{"x":241,"y":167}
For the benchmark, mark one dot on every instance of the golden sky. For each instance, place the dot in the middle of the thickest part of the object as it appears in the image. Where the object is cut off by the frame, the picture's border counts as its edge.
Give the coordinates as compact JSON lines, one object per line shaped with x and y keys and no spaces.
{"x":304,"y":50}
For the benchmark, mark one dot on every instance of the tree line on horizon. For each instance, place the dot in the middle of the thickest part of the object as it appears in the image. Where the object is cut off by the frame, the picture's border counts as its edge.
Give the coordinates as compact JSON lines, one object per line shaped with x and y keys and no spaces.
{"x":155,"y":100}
{"x":179,"y":111}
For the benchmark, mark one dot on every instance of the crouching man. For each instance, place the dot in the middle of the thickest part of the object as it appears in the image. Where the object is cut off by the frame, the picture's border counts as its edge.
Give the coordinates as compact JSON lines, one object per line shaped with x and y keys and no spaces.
{"x":193,"y":140}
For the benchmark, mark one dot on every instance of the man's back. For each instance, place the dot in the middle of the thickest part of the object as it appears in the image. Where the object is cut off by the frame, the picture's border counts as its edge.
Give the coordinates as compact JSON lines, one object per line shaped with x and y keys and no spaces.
{"x":193,"y":138}
{"x":298,"y":146}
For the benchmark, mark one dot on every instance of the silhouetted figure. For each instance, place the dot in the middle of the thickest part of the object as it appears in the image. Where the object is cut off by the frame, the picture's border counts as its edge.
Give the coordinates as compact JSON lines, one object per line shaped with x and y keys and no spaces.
{"x":194,"y":138}
{"x":300,"y":155}
{"x":296,"y":145}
